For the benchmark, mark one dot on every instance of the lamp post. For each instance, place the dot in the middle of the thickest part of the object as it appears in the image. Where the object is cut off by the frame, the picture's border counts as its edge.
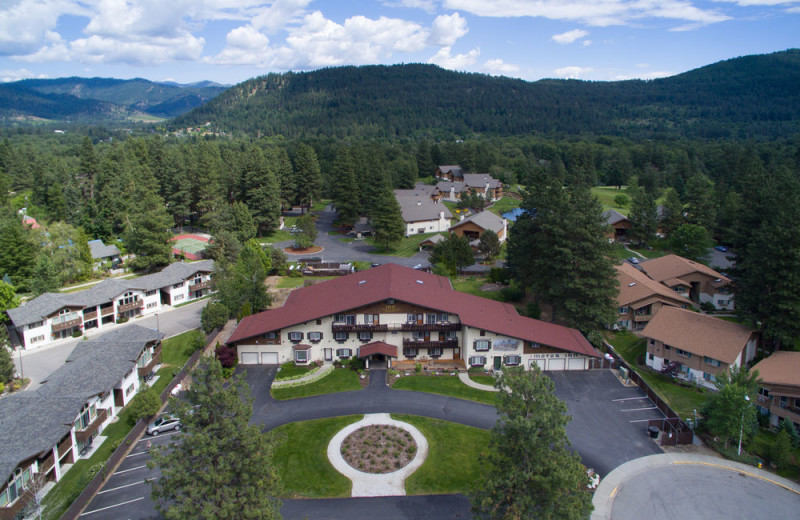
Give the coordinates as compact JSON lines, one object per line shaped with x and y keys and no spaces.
{"x":158,"y":327}
{"x":741,"y":425}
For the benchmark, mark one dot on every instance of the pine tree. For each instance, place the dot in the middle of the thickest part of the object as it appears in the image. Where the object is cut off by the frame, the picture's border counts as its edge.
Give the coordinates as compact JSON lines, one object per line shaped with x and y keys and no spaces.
{"x":454,"y":252}
{"x":728,"y":414}
{"x":387,"y":221}
{"x":643,"y":217}
{"x":307,"y":175}
{"x":489,"y":244}
{"x":671,"y":213}
{"x":346,"y":196}
{"x":532,"y":471}
{"x":701,"y":208}
{"x":221,"y":468}
{"x":262,"y":193}
{"x":147,"y":232}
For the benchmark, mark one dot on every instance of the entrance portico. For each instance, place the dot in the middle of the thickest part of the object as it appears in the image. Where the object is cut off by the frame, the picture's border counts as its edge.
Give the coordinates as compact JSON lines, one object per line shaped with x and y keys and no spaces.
{"x":377,"y":353}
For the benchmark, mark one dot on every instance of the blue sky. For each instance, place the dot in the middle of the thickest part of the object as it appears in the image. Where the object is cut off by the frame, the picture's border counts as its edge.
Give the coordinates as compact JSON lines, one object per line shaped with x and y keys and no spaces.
{"x":229,"y":41}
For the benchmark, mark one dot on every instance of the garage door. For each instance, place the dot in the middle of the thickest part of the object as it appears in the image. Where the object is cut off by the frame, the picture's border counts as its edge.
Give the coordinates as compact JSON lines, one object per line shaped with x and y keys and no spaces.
{"x":249,"y":358}
{"x":556,"y":364}
{"x":540,"y":362}
{"x":576,"y":364}
{"x":269,"y":358}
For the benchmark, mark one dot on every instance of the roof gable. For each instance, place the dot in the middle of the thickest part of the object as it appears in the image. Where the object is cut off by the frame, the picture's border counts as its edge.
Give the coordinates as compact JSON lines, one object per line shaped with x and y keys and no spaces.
{"x":673,"y":266}
{"x":635,"y":286}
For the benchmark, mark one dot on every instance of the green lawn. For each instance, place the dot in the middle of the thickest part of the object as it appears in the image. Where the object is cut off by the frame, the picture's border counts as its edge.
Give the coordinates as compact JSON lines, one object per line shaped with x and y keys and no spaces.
{"x":290,"y":370}
{"x":280,"y":235}
{"x":340,"y":380}
{"x":301,"y":458}
{"x":658,"y":247}
{"x":407,"y":247}
{"x":760,"y":446}
{"x":176,"y":350}
{"x":320,"y":205}
{"x":293,"y":282}
{"x":619,"y":252}
{"x":483,"y":379}
{"x":472,"y":285}
{"x":682,"y":399}
{"x":504,"y":205}
{"x":445,"y":385}
{"x":606,"y":194}
{"x":452,"y":465}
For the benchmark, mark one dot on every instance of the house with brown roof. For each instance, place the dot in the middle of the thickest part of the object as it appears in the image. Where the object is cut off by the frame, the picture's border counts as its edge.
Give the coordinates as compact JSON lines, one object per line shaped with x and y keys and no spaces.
{"x":779,"y":388}
{"x":404,"y":315}
{"x":691,"y":279}
{"x":450,"y":172}
{"x":640,"y":298}
{"x":619,"y":227}
{"x":700,"y":346}
{"x":476,"y":224}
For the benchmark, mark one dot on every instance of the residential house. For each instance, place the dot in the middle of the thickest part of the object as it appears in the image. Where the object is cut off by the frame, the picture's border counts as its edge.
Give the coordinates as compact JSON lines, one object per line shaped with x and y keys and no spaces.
{"x":779,"y":389}
{"x":54,"y":316}
{"x":102,"y":253}
{"x":691,"y":279}
{"x":421,"y":214}
{"x":30,"y":222}
{"x":701,"y":346}
{"x":640,"y":298}
{"x":405,"y":316}
{"x":46,"y":430}
{"x":431,"y":241}
{"x":619,"y":227}
{"x":482,"y":184}
{"x":474,"y":226}
{"x":451,"y":172}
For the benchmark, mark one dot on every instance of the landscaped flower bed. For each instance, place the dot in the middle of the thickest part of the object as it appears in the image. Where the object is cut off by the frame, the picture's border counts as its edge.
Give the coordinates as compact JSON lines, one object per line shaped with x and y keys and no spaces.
{"x":379,"y":449}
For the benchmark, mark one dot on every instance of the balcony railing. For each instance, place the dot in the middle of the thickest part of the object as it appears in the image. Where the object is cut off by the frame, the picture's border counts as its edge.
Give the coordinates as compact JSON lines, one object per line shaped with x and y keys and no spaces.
{"x":448,"y":343}
{"x":89,"y":315}
{"x":793,"y":414}
{"x":341,"y":327}
{"x":65,"y":446}
{"x":105,"y":311}
{"x":200,"y":286}
{"x":143,"y":371}
{"x":84,"y":434}
{"x":47,"y":464}
{"x":411,"y":327}
{"x":136,"y":304}
{"x":63,"y":325}
{"x":11,"y":511}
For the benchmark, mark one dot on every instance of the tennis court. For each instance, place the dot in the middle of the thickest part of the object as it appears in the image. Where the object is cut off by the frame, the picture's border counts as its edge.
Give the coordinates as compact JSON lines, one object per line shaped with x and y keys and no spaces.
{"x":192,"y":247}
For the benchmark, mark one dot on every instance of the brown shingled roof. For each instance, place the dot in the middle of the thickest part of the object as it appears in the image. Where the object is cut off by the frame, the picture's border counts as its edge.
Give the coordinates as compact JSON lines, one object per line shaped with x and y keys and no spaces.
{"x":635,"y":286}
{"x":699,"y":334}
{"x":415,"y":287}
{"x":781,"y":368}
{"x":674,"y":266}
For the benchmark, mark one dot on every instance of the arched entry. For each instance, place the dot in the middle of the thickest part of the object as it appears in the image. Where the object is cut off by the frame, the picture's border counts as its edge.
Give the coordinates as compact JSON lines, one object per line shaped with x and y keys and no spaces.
{"x":378,"y":354}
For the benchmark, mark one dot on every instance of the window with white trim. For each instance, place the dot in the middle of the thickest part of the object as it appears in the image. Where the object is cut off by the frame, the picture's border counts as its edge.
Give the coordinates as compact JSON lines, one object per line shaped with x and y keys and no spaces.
{"x":451,"y":334}
{"x":344,"y":352}
{"x":763,"y":392}
{"x":709,"y":377}
{"x":444,"y":317}
{"x":435,"y":352}
{"x":711,"y":361}
{"x":477,"y":361}
{"x":35,"y":324}
{"x":150,"y":293}
{"x":16,"y":486}
{"x":301,"y":356}
{"x":295,"y":336}
{"x":482,"y":345}
{"x":178,"y":297}
{"x":365,"y":336}
{"x":37,"y":339}
{"x":370,"y":319}
{"x":315,"y":337}
{"x":418,"y":335}
{"x":129,"y":390}
{"x":430,"y":318}
{"x":411,"y":318}
{"x":511,"y":361}
{"x":410,"y":351}
{"x":340,"y":336}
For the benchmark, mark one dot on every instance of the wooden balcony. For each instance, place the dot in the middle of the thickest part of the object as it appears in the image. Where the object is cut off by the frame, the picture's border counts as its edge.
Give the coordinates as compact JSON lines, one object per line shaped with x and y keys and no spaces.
{"x":105,"y":311}
{"x":448,"y":343}
{"x":83,"y":435}
{"x":89,"y":315}
{"x":47,"y":464}
{"x":65,"y":446}
{"x":200,"y":286}
{"x":340,"y":327}
{"x":432,"y":327}
{"x":11,"y":511}
{"x":793,"y":414}
{"x":58,"y":327}
{"x":125,"y":307}
{"x":143,"y":371}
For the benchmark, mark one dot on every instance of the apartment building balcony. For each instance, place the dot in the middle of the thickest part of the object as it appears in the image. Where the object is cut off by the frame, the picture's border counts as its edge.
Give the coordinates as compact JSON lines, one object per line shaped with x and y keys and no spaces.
{"x":791,"y":413}
{"x":200,"y":286}
{"x":105,"y":311}
{"x":447,"y":343}
{"x":146,"y":369}
{"x":125,"y":307}
{"x":434,"y":327}
{"x":13,"y":509}
{"x":84,"y":434}
{"x":66,"y":322}
{"x":47,"y":464}
{"x":87,"y":316}
{"x":341,"y":327}
{"x":65,"y":446}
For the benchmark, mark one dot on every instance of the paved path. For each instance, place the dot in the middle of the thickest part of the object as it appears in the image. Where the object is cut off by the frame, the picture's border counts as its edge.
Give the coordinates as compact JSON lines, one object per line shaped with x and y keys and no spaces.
{"x":464,"y":377}
{"x":308,"y":378}
{"x":682,"y":485}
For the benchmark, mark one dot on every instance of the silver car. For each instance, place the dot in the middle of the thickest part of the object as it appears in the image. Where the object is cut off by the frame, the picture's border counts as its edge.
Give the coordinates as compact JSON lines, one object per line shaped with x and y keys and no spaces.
{"x":164,"y":423}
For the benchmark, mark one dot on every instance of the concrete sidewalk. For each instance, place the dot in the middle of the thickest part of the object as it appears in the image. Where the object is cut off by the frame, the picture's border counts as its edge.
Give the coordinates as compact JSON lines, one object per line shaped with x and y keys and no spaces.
{"x":464,"y":377}
{"x":609,"y":487}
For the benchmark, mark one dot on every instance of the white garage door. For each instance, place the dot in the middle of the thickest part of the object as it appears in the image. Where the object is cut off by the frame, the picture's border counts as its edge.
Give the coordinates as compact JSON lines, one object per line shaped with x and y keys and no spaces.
{"x":576,"y":364}
{"x":556,"y":364}
{"x":269,"y":358}
{"x":540,"y":362}
{"x":249,"y":358}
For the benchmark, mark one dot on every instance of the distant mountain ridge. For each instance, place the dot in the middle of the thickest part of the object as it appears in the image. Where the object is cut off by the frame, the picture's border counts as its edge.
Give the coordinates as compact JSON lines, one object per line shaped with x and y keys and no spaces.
{"x":747,"y":97}
{"x":96,"y":99}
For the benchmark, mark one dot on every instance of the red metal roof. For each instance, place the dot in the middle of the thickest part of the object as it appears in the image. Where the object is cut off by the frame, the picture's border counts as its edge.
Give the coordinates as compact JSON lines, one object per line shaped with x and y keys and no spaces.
{"x":377,"y":347}
{"x":415,"y":287}
{"x":300,"y":346}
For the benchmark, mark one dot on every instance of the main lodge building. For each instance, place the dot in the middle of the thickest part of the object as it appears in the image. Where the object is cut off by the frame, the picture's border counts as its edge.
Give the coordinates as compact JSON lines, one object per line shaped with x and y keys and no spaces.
{"x":402,"y":314}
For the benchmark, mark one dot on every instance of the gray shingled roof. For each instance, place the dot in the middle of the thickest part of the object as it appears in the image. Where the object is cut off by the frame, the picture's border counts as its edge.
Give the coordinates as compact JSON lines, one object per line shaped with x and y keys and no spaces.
{"x":33,"y":421}
{"x":452,"y":168}
{"x":445,"y":186}
{"x":613,"y":216}
{"x":107,"y":290}
{"x":100,"y":250}
{"x":479,"y":180}
{"x":485,"y":220}
{"x":417,"y":206}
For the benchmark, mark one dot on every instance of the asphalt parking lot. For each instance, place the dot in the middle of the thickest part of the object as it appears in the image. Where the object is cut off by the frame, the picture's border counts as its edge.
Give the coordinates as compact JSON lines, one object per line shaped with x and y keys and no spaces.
{"x":609,"y":419}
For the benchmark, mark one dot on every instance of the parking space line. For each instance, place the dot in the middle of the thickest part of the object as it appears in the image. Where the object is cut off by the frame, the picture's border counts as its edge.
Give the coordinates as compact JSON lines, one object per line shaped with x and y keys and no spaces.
{"x":136,"y":454}
{"x":629,"y":398}
{"x":131,"y":469}
{"x":110,"y":507}
{"x":639,"y":409}
{"x":121,"y":487}
{"x":156,"y":437}
{"x":646,"y":420}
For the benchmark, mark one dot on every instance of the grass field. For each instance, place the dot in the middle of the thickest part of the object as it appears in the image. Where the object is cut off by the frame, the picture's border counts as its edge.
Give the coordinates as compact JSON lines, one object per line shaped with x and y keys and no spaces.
{"x":504,"y":205}
{"x":451,"y":446}
{"x":760,"y":446}
{"x":483,"y":379}
{"x":290,"y":370}
{"x":280,"y":235}
{"x":292,"y":282}
{"x":407,"y":247}
{"x":340,"y":380}
{"x":606,"y":194}
{"x":301,"y":458}
{"x":472,"y":285}
{"x":445,"y":385}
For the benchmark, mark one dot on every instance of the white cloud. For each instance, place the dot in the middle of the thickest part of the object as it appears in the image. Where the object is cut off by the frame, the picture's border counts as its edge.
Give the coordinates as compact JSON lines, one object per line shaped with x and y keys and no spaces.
{"x":281,"y":13}
{"x":569,"y":36}
{"x":498,"y":67}
{"x":648,"y":75}
{"x":426,"y":5}
{"x":444,"y":59}
{"x":245,"y":46}
{"x":586,"y":43}
{"x":16,"y":75}
{"x":446,"y":29}
{"x":571,"y":72}
{"x":590,"y":12}
{"x":25,"y":23}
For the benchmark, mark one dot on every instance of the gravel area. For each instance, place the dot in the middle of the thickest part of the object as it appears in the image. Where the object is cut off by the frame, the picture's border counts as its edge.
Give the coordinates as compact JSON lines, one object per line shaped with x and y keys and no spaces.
{"x":379,"y":449}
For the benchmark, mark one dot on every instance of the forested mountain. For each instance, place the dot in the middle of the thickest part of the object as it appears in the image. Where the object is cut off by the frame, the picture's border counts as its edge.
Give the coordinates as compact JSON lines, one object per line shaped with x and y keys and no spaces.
{"x":97,"y":99}
{"x":753,"y":96}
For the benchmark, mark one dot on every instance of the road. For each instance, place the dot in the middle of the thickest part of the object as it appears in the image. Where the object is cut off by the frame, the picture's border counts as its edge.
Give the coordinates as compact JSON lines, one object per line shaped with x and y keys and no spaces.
{"x":36,"y":364}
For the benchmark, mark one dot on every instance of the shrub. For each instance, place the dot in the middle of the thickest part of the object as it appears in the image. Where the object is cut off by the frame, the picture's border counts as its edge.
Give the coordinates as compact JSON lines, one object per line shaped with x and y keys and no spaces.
{"x":122,"y":320}
{"x":512,"y":293}
{"x":794,"y":436}
{"x":499,"y":275}
{"x":707,"y":307}
{"x":77,"y":333}
{"x":196,"y":342}
{"x":226,"y":356}
{"x":780,"y":451}
{"x":356,"y":363}
{"x":214,"y":315}
{"x":2,"y":387}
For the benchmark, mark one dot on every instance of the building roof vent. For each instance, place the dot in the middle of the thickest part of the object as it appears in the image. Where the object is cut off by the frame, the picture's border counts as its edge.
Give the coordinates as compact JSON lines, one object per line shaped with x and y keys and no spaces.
{"x":631,"y":284}
{"x":420,"y":282}
{"x":362,"y":282}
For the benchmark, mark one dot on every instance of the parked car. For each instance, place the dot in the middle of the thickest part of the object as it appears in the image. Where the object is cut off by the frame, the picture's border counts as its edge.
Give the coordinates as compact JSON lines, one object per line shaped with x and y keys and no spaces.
{"x":163,"y":424}
{"x":723,"y":249}
{"x":633,"y":260}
